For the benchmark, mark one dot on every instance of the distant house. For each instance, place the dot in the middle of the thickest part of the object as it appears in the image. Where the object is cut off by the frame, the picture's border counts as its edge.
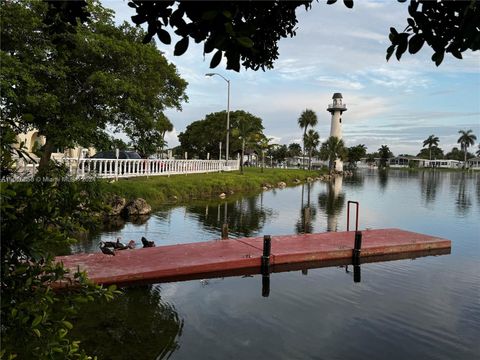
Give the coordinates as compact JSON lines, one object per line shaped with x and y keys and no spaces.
{"x":444,"y":163}
{"x":474,"y":163}
{"x":406,"y":161}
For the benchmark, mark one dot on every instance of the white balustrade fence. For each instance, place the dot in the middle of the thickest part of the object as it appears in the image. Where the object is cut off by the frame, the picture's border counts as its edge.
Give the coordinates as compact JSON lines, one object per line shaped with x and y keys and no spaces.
{"x":122,"y":168}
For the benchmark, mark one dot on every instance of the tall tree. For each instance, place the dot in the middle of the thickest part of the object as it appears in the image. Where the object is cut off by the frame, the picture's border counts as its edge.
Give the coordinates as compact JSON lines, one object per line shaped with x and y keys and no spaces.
{"x":311,"y":141}
{"x":466,"y":139}
{"x":203,"y":136}
{"x":150,"y":138}
{"x":384,"y":153}
{"x":355,"y":153}
{"x":73,"y":86}
{"x":294,"y":149}
{"x":434,"y":152}
{"x":432,"y":140}
{"x":278,"y":153}
{"x":263,"y":144}
{"x":245,"y":129}
{"x":307,"y":118}
{"x":333,"y":149}
{"x":478,"y":151}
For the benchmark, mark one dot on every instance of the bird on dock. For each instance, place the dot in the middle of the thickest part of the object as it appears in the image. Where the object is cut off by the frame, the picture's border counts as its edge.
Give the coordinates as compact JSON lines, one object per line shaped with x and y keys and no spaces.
{"x":105,"y":249}
{"x":147,"y":243}
{"x":120,"y":246}
{"x":131,"y":244}
{"x":109,"y":244}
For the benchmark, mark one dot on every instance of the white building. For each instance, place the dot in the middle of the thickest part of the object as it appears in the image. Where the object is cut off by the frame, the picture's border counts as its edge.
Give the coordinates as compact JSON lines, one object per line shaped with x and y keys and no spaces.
{"x":443,"y":163}
{"x":336,"y":109}
{"x":474,"y":163}
{"x":33,"y":141}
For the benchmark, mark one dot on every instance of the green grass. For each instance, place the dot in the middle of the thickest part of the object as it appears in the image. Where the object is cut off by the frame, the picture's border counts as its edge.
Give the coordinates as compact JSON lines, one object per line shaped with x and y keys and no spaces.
{"x":158,"y":190}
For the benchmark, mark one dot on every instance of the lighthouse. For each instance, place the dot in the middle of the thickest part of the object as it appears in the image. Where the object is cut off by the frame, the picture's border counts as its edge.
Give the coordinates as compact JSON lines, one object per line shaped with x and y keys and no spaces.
{"x":336,"y":109}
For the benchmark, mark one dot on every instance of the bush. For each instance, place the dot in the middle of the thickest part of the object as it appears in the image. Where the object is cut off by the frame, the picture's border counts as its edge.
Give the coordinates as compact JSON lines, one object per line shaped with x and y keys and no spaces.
{"x":39,"y":219}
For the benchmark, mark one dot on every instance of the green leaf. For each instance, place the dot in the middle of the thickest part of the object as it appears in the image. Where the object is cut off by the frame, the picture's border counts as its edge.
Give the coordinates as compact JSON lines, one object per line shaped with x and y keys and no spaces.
{"x":112,"y":287}
{"x":209,"y":15}
{"x":227,"y":14}
{"x":181,"y":47}
{"x":164,"y":36}
{"x":402,"y":45}
{"x":67,"y":324}
{"x":37,"y":332}
{"x":456,"y":53}
{"x":14,"y":312}
{"x":245,"y":42}
{"x":229,"y":28}
{"x":415,"y":44}
{"x":390,"y":51}
{"x":37,"y":320}
{"x":216,"y":59}
{"x":438,"y":57}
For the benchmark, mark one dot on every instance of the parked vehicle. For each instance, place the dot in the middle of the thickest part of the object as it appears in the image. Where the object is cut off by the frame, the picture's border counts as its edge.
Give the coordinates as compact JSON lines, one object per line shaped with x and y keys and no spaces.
{"x":110,"y":154}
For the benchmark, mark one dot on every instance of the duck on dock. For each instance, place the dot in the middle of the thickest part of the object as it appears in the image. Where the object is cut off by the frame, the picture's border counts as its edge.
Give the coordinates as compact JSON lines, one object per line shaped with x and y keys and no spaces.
{"x":147,"y":243}
{"x":120,"y":246}
{"x":131,"y":244}
{"x":109,"y":244}
{"x":106,"y":249}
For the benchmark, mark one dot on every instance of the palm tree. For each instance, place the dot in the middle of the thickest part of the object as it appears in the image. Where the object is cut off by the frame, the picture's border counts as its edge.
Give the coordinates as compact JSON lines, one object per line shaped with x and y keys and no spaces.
{"x":245,"y":131}
{"x":478,"y":151}
{"x":306,"y":119}
{"x":311,"y":141}
{"x":466,"y":139}
{"x":333,"y":149}
{"x":432,"y":140}
{"x":264,"y":144}
{"x":384,"y":153}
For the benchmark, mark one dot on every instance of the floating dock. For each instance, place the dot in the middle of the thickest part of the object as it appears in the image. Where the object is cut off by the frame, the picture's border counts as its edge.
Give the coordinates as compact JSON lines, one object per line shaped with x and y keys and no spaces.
{"x":244,"y":256}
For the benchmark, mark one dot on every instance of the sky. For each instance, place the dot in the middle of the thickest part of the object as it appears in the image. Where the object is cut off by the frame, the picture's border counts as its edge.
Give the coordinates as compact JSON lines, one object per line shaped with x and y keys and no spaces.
{"x":336,"y":49}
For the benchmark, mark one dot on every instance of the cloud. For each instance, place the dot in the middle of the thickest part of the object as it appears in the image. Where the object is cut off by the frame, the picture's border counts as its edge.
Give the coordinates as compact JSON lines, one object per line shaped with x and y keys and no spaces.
{"x":340,"y":50}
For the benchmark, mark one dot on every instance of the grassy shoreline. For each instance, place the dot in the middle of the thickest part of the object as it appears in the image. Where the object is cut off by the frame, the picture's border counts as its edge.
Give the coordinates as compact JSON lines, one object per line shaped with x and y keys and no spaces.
{"x":161,"y":190}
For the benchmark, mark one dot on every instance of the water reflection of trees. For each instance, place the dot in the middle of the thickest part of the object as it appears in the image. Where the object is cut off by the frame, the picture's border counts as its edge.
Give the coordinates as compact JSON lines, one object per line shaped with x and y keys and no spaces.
{"x":356,"y":180}
{"x":244,"y":216}
{"x":332,"y":202}
{"x":463,"y":201}
{"x":382,"y":178}
{"x":478,"y":190}
{"x":137,"y":325}
{"x":429,"y":182}
{"x":308,"y":213}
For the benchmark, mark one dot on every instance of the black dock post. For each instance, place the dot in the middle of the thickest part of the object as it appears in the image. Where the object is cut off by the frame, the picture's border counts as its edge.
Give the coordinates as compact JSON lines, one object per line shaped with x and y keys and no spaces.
{"x":357,"y":248}
{"x":267,"y":247}
{"x":265,"y":285}
{"x":356,"y":273}
{"x":265,"y":267}
{"x":225,"y":231}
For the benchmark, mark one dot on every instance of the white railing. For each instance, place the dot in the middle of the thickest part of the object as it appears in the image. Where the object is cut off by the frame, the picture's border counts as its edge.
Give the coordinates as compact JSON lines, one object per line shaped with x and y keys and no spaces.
{"x":337,"y":106}
{"x":123,"y":168}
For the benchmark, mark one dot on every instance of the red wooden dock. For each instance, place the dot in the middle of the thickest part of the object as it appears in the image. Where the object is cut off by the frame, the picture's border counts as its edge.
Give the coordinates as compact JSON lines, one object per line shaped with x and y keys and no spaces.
{"x":243,"y":256}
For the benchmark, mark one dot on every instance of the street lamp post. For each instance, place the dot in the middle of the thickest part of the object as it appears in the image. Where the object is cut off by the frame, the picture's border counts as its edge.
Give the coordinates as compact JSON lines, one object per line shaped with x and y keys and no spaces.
{"x":228,"y":113}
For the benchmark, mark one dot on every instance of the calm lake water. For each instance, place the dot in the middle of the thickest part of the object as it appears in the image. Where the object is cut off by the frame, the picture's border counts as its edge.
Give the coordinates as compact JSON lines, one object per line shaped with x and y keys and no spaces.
{"x":424,"y":308}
